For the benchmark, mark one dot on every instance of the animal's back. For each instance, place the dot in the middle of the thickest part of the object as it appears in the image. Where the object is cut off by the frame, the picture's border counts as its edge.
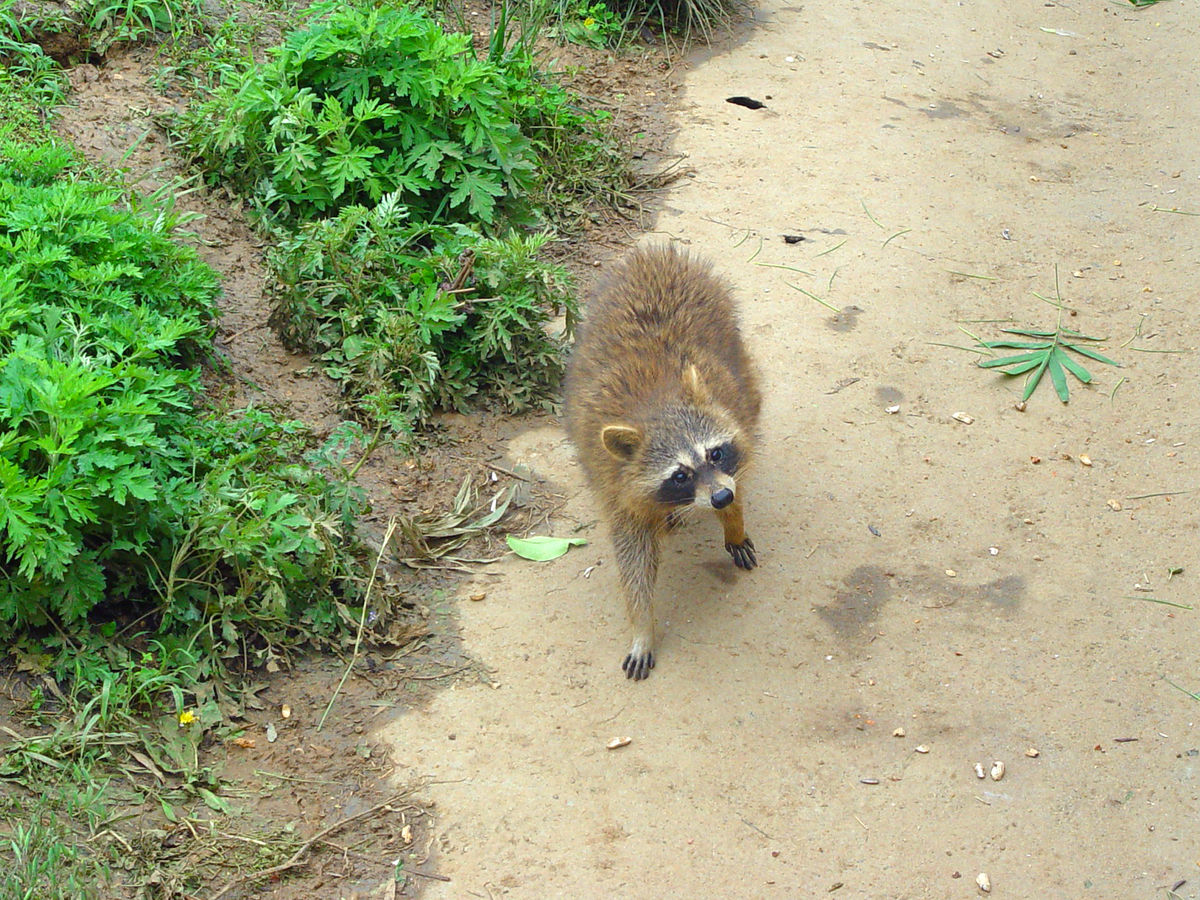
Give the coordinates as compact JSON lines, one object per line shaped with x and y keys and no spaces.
{"x":658,"y":311}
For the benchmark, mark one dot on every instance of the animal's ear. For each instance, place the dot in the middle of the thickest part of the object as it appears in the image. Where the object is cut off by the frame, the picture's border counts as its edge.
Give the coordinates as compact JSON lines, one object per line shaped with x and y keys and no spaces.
{"x":693,"y":384}
{"x":621,"y":441}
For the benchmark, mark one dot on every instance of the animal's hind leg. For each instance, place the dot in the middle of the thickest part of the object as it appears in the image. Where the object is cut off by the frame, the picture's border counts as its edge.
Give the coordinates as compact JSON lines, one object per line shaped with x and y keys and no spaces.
{"x":737,"y":542}
{"x":637,"y":560}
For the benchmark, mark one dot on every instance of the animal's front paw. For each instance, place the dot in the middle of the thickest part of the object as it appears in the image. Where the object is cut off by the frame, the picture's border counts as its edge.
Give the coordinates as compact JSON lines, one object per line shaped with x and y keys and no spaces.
{"x":638,"y":663}
{"x":743,"y":554}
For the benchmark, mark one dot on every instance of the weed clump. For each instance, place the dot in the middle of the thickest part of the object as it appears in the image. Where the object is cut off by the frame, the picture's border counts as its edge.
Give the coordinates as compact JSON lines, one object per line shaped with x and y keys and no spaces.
{"x":115,"y":486}
{"x":363,"y":102}
{"x":411,"y":317}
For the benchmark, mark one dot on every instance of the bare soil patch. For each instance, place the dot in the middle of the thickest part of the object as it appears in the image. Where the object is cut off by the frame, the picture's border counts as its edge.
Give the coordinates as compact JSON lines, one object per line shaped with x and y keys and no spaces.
{"x":932,"y":592}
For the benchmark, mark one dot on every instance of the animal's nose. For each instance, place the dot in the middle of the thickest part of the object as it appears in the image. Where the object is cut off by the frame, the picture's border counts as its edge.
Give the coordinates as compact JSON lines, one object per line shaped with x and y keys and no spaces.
{"x":722,"y":498}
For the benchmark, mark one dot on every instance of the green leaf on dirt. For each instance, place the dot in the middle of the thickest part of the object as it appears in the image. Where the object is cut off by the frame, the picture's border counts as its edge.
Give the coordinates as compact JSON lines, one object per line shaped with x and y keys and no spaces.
{"x":1047,"y":353}
{"x":542,"y":548}
{"x":212,"y":801}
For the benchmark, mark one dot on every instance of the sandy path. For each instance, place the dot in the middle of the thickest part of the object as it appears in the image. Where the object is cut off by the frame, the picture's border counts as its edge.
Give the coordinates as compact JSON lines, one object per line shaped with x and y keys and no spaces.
{"x":1004,"y":148}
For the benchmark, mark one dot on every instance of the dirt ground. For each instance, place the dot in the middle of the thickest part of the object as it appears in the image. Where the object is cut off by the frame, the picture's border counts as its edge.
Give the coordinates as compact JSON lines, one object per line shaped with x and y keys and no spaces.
{"x":975,"y":591}
{"x":931,"y":594}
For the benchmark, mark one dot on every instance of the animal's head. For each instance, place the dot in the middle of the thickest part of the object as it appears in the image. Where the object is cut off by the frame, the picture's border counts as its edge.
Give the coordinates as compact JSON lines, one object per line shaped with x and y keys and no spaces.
{"x":688,"y":452}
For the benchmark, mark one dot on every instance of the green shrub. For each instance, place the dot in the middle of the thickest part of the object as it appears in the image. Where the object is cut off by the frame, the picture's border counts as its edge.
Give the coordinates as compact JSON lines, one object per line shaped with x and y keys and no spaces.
{"x":363,"y":102}
{"x":29,"y":79}
{"x":592,"y":24}
{"x":113,"y":487}
{"x":98,"y":307}
{"x":116,"y":21}
{"x":368,"y":292}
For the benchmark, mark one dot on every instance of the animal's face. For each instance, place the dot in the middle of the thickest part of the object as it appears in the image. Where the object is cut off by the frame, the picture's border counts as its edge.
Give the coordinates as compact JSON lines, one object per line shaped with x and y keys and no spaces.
{"x":703,"y":473}
{"x":683,"y":457}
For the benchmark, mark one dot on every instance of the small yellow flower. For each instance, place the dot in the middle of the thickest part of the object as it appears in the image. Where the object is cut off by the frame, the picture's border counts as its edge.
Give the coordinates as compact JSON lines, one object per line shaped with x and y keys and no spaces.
{"x":589,"y":22}
{"x":187,"y":717}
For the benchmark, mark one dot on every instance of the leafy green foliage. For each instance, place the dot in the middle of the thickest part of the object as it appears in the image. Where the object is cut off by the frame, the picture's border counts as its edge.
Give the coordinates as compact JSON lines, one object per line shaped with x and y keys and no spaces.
{"x":364,"y":102}
{"x":1047,"y":352}
{"x":411,"y":317}
{"x":98,"y":309}
{"x":113,"y":486}
{"x":116,"y":21}
{"x":542,"y":548}
{"x":46,"y":857}
{"x":609,"y":23}
{"x":593,"y":24}
{"x":90,"y":26}
{"x":580,"y":162}
{"x":29,"y":79}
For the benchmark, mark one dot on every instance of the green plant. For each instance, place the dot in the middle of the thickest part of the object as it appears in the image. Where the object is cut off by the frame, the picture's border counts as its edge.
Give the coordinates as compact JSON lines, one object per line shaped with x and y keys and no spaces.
{"x":1046,"y":352}
{"x":98,"y":307}
{"x":43,"y":857}
{"x":116,"y":21}
{"x":411,"y":317}
{"x":30,"y":81}
{"x":363,"y":102}
{"x":114,"y":486}
{"x":215,"y":53}
{"x":593,"y":25}
{"x":580,"y":162}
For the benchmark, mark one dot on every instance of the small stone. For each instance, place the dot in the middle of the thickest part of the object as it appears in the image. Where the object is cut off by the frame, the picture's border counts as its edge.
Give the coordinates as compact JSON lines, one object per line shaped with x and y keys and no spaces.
{"x":997,"y":771}
{"x":984,"y":883}
{"x":921,"y":748}
{"x":618,"y":742}
{"x":963,"y":417}
{"x":1019,"y":406}
{"x":892,"y":410}
{"x":979,"y":773}
{"x":1085,"y":459}
{"x":1032,"y":752}
{"x":477,"y":597}
{"x":1035,"y":460}
{"x":286,"y":710}
{"x":899,"y":732}
{"x":1114,"y":505}
{"x":950,"y":573}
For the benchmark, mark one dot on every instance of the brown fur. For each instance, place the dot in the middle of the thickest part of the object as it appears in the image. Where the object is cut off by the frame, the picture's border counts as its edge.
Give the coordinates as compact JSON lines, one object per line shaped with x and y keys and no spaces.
{"x":660,"y":372}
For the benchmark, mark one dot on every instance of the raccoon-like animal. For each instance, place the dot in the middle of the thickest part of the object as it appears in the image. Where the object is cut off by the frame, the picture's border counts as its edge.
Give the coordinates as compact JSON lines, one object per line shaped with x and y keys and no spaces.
{"x":662,"y":403}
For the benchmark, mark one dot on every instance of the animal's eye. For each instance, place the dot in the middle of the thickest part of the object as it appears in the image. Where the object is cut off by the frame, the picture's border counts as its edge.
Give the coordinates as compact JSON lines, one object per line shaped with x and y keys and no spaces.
{"x":716,"y":454}
{"x":680,"y":477}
